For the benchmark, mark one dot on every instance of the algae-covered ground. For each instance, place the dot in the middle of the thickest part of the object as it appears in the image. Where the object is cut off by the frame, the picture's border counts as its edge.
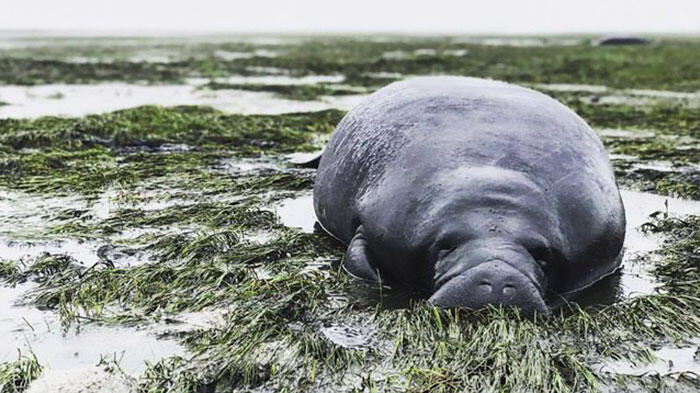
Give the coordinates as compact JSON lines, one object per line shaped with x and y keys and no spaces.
{"x":189,"y":225}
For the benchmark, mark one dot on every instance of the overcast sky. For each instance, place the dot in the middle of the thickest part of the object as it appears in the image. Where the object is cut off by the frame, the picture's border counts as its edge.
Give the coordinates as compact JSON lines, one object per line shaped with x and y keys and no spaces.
{"x":305,"y":16}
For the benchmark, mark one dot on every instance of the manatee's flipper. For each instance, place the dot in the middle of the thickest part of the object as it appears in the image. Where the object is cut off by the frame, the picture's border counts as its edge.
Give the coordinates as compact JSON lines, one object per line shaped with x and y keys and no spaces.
{"x":358,"y":260}
{"x":307,"y":163}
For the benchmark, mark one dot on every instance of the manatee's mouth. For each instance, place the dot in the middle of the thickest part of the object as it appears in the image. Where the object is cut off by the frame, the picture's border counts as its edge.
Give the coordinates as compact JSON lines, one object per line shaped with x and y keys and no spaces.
{"x":493,"y":282}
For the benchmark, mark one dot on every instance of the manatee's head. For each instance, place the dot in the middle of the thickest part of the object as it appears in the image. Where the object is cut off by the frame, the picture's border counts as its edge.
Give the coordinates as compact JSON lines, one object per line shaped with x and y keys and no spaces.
{"x":484,"y":273}
{"x":489,"y":235}
{"x":470,"y":236}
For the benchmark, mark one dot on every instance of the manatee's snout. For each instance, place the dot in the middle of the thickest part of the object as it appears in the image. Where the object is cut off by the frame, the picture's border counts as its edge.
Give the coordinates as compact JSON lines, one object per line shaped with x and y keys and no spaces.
{"x":494,"y":282}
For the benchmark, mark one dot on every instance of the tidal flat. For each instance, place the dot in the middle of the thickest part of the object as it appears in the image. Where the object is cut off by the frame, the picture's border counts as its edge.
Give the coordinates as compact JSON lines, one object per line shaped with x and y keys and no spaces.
{"x":156,"y":235}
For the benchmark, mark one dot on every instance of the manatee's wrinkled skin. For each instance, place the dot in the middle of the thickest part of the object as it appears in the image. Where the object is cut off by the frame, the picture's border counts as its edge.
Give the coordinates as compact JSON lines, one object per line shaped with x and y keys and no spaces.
{"x":476,"y":191}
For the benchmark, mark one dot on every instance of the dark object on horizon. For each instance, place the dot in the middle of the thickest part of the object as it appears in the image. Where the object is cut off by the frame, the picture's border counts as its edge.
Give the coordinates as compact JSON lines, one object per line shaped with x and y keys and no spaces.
{"x":609,"y":41}
{"x":475,"y":191}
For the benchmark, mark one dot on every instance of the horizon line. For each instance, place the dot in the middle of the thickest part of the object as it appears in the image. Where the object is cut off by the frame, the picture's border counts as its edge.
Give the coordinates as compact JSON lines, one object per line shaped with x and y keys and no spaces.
{"x":66,"y":32}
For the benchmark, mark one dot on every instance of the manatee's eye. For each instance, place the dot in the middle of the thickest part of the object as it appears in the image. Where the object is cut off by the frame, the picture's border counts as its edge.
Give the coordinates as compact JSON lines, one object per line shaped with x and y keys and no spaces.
{"x":442,"y":253}
{"x":539,"y":248}
{"x":549,"y":260}
{"x":446,"y":244}
{"x":540,"y":253}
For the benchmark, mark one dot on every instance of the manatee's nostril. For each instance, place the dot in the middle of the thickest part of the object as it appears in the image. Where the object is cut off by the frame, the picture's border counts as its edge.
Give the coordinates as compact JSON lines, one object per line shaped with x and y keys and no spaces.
{"x":508,"y":290}
{"x":485,"y":287}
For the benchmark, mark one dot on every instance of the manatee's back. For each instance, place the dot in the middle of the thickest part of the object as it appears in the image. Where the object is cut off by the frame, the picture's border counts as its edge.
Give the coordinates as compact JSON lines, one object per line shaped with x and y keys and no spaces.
{"x":429,"y":124}
{"x":373,"y":135}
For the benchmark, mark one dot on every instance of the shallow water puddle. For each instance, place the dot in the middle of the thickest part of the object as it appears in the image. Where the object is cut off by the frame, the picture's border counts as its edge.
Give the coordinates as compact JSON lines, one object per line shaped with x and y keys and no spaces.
{"x":281,"y":79}
{"x":622,"y":96}
{"x":669,"y":359}
{"x":24,"y":214}
{"x":620,"y":100}
{"x":192,"y":320}
{"x":264,"y":164}
{"x":231,"y":55}
{"x":665,"y":166}
{"x":513,"y":41}
{"x":84,"y":252}
{"x":571,"y":87}
{"x":386,"y":75}
{"x":89,"y":379}
{"x":27,"y":234}
{"x":347,"y":336}
{"x":78,"y":100}
{"x":26,"y":329}
{"x":248,"y":165}
{"x":627,"y":134}
{"x":636,"y":279}
{"x":638,"y":207}
{"x":680,"y":95}
{"x":297,"y":212}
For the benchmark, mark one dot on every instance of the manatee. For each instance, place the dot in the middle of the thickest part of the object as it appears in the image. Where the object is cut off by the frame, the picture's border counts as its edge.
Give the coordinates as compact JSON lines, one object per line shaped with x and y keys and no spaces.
{"x":473,"y":192}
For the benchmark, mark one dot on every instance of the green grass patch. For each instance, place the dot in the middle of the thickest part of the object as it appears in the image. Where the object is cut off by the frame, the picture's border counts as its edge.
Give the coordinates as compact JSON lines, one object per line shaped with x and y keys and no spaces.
{"x":16,"y":376}
{"x":668,"y":119}
{"x":155,"y":126}
{"x":123,"y":148}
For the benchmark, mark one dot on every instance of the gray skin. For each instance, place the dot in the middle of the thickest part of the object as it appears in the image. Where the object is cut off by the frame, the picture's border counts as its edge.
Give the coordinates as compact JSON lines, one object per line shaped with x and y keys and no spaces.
{"x":475,"y":191}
